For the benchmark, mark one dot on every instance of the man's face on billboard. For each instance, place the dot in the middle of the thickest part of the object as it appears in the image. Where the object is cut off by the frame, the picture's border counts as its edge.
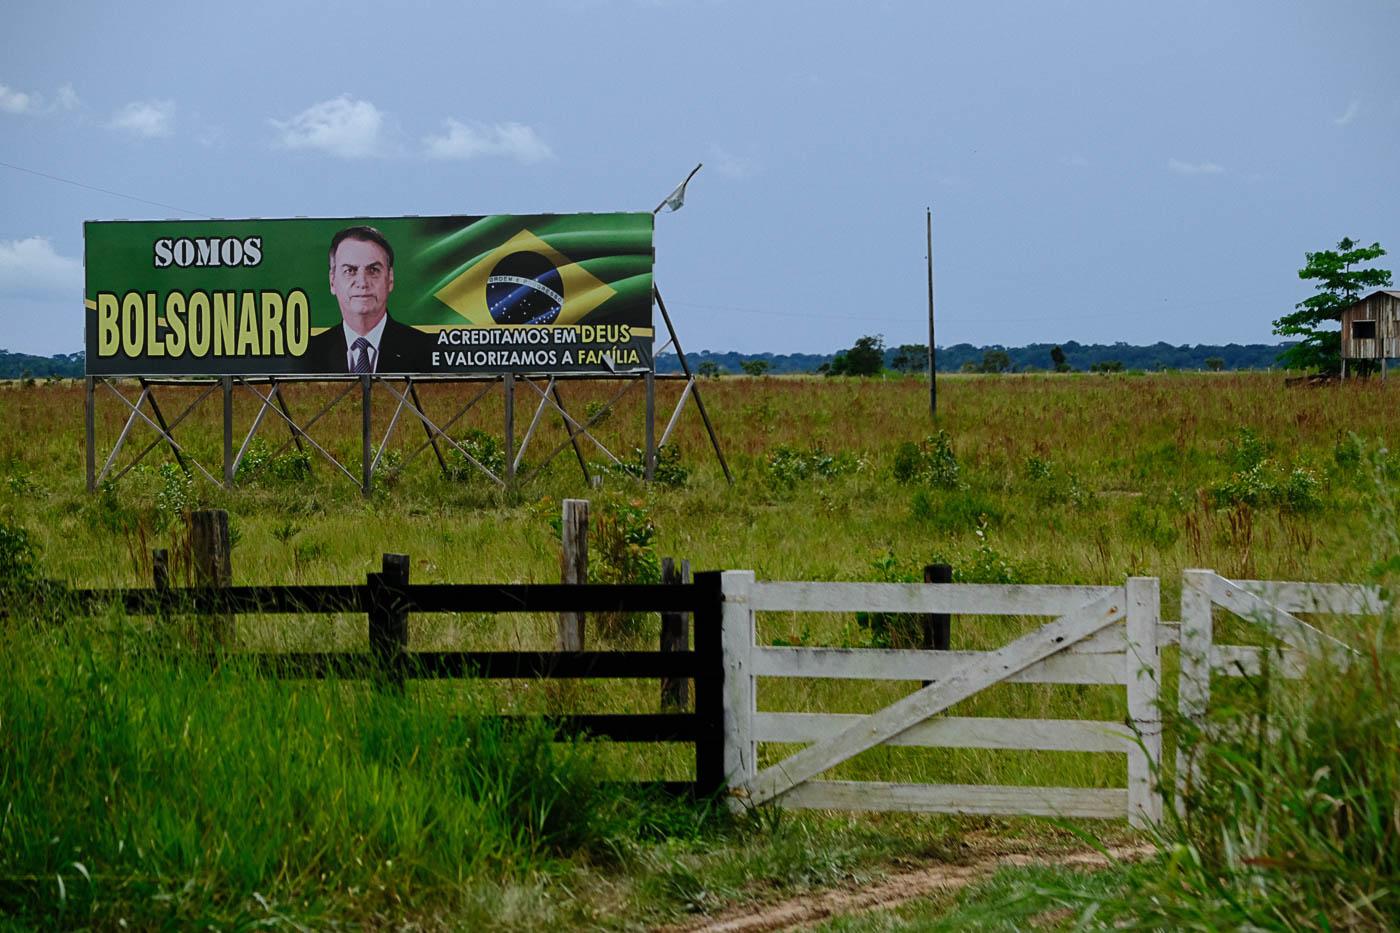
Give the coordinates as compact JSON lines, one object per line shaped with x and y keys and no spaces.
{"x":361,"y":280}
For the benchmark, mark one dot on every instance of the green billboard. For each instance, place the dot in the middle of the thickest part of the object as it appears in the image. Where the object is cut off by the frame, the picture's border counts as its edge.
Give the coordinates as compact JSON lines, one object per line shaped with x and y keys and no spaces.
{"x":542,"y":293}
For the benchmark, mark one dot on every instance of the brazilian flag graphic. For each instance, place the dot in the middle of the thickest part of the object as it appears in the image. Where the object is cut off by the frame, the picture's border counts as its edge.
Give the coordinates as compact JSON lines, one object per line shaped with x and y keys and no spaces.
{"x":546,"y":269}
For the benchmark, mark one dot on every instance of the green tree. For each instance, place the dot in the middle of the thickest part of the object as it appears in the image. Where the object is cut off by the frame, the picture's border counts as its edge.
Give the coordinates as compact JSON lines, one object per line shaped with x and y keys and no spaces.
{"x":910,"y":357}
{"x":1057,"y":356}
{"x":709,"y":369}
{"x":996,"y":361}
{"x":866,"y":358}
{"x":754,"y":367}
{"x":1215,"y":364}
{"x":1338,"y":285}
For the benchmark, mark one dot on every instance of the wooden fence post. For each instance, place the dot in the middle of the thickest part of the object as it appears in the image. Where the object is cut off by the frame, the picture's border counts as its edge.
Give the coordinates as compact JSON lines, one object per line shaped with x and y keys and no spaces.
{"x":675,"y":636}
{"x":740,"y":699}
{"x":211,"y":555}
{"x":1193,"y":681}
{"x":573,"y":568}
{"x":1144,"y":678}
{"x":937,"y":626}
{"x":160,"y":569}
{"x":388,"y":620}
{"x":710,"y":751}
{"x":160,"y":579}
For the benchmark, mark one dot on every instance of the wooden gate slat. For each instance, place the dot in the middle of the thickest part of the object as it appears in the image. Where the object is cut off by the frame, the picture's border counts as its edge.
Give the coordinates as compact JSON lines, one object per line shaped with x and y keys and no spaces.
{"x":980,"y":799}
{"x":994,"y":667}
{"x":1285,"y":626}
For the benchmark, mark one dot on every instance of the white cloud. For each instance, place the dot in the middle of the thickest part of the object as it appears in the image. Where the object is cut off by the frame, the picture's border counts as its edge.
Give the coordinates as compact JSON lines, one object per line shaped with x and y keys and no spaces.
{"x":342,"y":127}
{"x":150,"y":119}
{"x":470,"y":140}
{"x":12,"y":101}
{"x":68,"y":98}
{"x":1353,"y":109}
{"x":31,"y":267}
{"x":1194,"y":168}
{"x":729,"y":164}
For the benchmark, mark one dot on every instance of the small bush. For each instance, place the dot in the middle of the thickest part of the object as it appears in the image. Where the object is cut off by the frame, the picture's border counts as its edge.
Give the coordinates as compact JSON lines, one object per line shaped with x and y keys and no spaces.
{"x":1050,"y":485}
{"x":930,"y":463}
{"x":892,"y":629}
{"x":19,"y":561}
{"x":1246,"y":451}
{"x":621,"y":549}
{"x":785,"y":467}
{"x":483,"y":448}
{"x":669,"y":472}
{"x":259,"y":464}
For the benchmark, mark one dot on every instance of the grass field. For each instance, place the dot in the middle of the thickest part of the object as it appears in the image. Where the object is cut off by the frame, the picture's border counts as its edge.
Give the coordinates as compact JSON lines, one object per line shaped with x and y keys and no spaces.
{"x":218,"y":783}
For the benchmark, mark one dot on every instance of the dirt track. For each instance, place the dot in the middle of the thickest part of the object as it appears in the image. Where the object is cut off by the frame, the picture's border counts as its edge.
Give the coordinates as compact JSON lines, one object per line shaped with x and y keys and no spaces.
{"x":894,"y":889}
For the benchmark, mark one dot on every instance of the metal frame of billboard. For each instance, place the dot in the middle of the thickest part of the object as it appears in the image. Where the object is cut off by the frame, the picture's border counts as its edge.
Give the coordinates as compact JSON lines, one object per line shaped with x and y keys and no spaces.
{"x":409,"y":404}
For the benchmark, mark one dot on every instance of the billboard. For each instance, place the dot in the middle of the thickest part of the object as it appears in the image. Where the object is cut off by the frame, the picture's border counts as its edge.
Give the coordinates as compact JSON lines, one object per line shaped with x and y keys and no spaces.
{"x":542,"y":293}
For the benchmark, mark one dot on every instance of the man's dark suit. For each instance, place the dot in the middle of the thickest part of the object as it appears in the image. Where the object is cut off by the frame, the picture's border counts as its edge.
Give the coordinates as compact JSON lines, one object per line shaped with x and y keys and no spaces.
{"x":401,"y":350}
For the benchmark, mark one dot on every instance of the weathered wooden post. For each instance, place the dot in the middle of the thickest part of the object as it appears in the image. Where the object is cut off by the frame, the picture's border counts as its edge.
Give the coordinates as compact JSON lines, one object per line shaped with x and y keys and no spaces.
{"x":573,"y":568}
{"x":1144,"y":680}
{"x":675,"y":636}
{"x":711,"y":736}
{"x":212,"y":559}
{"x":937,"y":626}
{"x":388,"y":620}
{"x":160,"y":578}
{"x":160,"y":569}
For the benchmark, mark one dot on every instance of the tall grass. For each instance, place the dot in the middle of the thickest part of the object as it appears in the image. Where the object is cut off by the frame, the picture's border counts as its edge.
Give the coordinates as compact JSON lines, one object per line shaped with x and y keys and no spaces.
{"x":163,"y":793}
{"x":144,"y":788}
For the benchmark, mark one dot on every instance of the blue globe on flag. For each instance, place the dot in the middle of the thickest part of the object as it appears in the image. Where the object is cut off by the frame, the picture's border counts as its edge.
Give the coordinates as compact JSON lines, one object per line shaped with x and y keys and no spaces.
{"x":524,"y":288}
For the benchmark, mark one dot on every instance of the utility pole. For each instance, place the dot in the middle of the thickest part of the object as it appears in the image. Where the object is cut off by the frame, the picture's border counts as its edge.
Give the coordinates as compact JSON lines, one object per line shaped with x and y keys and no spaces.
{"x":932,"y":382}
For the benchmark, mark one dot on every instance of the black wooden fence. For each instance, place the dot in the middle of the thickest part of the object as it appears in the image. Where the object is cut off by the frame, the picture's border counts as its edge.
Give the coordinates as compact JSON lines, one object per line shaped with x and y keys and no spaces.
{"x":387,"y":599}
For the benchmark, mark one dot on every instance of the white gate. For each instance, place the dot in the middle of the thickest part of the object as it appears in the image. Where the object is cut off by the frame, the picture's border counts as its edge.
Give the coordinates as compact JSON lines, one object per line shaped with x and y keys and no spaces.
{"x":1271,"y":606}
{"x":1103,"y":635}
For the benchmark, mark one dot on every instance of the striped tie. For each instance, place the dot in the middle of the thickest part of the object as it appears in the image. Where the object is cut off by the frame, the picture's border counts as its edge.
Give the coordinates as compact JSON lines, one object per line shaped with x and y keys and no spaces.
{"x":361,"y":348}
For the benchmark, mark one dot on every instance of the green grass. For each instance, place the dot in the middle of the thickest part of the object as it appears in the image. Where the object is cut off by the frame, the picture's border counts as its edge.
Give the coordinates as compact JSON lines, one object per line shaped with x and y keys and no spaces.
{"x":189,"y":795}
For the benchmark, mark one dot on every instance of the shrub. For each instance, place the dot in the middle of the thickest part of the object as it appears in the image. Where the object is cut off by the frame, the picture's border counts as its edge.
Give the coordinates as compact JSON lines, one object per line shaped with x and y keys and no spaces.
{"x":621,"y":549}
{"x":891,"y":629}
{"x":787,"y":466}
{"x":1049,"y":484}
{"x":931,"y":462}
{"x":483,"y":448}
{"x":19,"y":562}
{"x":669,"y":471}
{"x":258,"y":463}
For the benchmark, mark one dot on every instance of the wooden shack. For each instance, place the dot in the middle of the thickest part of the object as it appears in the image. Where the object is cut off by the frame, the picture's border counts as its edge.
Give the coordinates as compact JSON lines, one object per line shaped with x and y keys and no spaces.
{"x":1371,"y":329}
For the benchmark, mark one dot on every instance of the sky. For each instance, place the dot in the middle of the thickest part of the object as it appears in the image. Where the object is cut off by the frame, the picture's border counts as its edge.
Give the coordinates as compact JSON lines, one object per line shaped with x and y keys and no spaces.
{"x":1096,"y":171}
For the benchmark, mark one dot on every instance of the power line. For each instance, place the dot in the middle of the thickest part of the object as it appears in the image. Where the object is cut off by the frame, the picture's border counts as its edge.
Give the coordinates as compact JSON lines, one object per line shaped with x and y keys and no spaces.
{"x":116,"y":194}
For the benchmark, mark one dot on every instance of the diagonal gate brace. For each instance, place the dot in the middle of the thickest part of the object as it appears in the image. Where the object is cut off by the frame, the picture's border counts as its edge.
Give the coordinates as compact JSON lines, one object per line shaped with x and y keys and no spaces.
{"x":990,"y":669}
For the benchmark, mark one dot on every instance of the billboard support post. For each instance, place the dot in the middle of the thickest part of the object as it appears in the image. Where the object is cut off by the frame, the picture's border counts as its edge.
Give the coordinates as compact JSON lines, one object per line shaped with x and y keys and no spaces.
{"x":694,"y":387}
{"x":432,"y":438}
{"x":650,"y":464}
{"x":509,"y":381}
{"x":227,"y":383}
{"x":90,"y":425}
{"x":573,"y":438}
{"x":165,"y":428}
{"x":366,"y":442}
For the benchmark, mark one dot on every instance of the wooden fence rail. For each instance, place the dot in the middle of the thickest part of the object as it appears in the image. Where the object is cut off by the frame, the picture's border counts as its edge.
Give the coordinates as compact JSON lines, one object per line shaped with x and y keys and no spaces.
{"x":387,"y":599}
{"x":1097,"y":635}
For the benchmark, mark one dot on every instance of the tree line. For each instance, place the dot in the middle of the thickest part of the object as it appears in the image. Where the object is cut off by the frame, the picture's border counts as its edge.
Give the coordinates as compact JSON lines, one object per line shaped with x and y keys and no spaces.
{"x":869,"y":356}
